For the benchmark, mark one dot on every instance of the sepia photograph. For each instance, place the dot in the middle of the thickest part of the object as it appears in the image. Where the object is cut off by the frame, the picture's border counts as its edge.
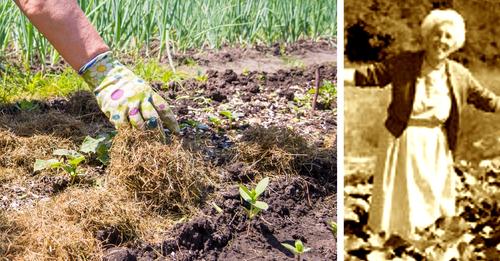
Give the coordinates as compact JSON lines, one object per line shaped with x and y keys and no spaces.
{"x":422,"y":130}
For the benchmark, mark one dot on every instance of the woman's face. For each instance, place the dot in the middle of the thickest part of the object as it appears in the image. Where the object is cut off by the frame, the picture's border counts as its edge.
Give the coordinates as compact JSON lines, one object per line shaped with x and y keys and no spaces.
{"x":440,"y":43}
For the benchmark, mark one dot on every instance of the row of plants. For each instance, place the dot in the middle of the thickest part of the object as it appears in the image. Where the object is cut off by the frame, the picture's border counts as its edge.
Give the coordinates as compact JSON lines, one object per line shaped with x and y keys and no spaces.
{"x":161,"y":26}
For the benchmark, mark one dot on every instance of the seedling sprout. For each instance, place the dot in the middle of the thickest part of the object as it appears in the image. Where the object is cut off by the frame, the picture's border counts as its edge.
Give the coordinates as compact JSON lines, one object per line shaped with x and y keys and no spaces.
{"x":298,"y":249}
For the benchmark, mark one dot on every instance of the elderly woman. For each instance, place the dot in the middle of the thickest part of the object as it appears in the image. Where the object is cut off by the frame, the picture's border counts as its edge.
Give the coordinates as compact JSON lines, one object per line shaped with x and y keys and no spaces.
{"x":417,"y":184}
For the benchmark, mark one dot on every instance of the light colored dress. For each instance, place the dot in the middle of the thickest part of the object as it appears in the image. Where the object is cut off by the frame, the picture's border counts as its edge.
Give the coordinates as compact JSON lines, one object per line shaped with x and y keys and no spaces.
{"x":415,"y":184}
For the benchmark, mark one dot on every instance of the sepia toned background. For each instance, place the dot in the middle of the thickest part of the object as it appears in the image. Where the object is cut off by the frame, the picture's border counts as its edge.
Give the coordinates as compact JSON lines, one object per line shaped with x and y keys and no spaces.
{"x":378,"y":28}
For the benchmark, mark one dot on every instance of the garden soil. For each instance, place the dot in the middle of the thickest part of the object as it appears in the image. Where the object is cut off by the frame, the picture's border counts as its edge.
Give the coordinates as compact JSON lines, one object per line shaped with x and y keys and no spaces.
{"x":157,"y":200}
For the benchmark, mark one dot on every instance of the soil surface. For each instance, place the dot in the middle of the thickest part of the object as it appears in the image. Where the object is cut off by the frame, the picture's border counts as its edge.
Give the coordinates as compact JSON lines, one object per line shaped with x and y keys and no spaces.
{"x":466,"y":236}
{"x":263,"y":94}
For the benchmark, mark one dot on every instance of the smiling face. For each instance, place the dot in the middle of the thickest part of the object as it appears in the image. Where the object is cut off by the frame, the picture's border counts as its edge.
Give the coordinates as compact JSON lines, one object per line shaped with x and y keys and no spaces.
{"x":440,"y":43}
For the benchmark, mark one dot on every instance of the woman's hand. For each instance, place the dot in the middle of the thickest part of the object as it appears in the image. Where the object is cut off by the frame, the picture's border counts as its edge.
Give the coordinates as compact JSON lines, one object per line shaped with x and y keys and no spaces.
{"x":348,"y":75}
{"x":124,"y":97}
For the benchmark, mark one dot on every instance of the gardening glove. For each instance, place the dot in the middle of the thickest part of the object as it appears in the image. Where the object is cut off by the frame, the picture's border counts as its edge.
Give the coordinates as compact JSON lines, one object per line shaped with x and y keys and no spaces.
{"x":125,"y":98}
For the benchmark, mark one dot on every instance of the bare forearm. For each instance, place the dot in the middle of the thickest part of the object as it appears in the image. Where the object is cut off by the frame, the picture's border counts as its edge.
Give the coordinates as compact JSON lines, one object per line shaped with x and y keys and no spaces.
{"x":66,"y":27}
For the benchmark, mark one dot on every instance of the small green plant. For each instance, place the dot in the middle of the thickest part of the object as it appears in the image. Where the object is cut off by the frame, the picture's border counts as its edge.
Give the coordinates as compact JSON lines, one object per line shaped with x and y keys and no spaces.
{"x":26,"y":105}
{"x":70,"y":159}
{"x":202,"y":100}
{"x":327,"y":92}
{"x":251,"y":197}
{"x":69,"y":162}
{"x":298,"y":249}
{"x":190,"y":62}
{"x":303,"y":101}
{"x":228,"y":114}
{"x":193,"y":124}
{"x":333,"y":227}
{"x":231,"y":117}
{"x":99,"y":146}
{"x":201,"y":77}
{"x":282,"y":49}
{"x":217,"y":208}
{"x":215,"y":120}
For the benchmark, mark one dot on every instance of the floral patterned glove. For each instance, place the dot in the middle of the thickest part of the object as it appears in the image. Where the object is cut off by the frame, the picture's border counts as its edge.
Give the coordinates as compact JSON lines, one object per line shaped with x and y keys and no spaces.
{"x":124,"y":97}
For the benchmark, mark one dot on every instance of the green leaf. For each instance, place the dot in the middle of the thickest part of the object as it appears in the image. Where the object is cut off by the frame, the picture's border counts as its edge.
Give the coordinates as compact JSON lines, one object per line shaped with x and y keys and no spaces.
{"x":76,"y":161}
{"x":254,"y":211}
{"x":245,"y":194}
{"x":192,"y":123}
{"x":299,"y":246}
{"x":217,"y":208}
{"x":261,"y":186}
{"x":90,"y":144}
{"x":100,"y":146}
{"x":103,"y":158}
{"x":333,"y":227}
{"x":70,"y":170}
{"x":66,"y":153}
{"x":261,"y":205}
{"x":227,"y":114}
{"x":290,"y":248}
{"x":214,"y":120}
{"x":103,"y":153}
{"x":44,"y":164}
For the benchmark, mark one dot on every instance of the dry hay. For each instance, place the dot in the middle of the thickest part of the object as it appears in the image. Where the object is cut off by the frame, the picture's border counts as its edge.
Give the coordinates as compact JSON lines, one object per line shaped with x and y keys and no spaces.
{"x":167,"y":177}
{"x":22,"y":152}
{"x":67,"y":226}
{"x":51,"y":122}
{"x":8,"y":232}
{"x":274,"y":150}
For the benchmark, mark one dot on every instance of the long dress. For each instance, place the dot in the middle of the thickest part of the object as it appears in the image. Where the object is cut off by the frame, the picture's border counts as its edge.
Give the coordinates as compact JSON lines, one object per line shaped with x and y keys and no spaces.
{"x":416,"y":182}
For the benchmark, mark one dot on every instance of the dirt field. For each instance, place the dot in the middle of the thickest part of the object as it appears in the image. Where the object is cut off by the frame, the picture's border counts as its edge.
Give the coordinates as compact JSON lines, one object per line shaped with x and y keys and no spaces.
{"x":249,"y":118}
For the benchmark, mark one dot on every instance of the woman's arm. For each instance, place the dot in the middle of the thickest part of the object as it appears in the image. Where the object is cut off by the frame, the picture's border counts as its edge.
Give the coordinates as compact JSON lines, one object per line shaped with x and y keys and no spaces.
{"x":375,"y":74}
{"x":481,"y":97}
{"x":123,"y":96}
{"x":66,"y":27}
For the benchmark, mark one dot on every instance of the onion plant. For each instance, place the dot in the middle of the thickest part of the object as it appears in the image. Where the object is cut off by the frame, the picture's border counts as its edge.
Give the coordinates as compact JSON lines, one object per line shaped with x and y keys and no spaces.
{"x":132,"y":26}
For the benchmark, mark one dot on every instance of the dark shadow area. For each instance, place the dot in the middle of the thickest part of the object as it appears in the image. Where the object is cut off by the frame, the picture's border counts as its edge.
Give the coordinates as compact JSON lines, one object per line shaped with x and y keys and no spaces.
{"x":274,"y":242}
{"x":362,"y":46}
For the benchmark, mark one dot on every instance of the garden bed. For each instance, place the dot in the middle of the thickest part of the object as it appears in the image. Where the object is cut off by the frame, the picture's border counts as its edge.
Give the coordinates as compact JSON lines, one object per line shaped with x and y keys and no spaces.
{"x":179,"y":199}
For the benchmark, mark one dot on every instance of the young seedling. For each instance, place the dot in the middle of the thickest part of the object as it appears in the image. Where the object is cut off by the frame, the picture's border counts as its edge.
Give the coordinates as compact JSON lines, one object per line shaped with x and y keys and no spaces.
{"x":26,"y":105}
{"x":251,"y":197}
{"x":298,"y":249}
{"x":99,"y":146}
{"x":333,"y":227}
{"x":215,"y":120}
{"x":228,"y":114}
{"x":70,"y":161}
{"x":231,"y":117}
{"x":217,"y":208}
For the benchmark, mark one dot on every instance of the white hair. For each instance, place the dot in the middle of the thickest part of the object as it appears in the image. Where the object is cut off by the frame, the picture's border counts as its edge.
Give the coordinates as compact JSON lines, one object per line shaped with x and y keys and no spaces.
{"x":439,"y":17}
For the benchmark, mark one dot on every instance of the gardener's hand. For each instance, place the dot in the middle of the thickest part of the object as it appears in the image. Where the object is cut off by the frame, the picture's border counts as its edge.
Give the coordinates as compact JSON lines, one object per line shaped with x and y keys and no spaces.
{"x":124,"y":97}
